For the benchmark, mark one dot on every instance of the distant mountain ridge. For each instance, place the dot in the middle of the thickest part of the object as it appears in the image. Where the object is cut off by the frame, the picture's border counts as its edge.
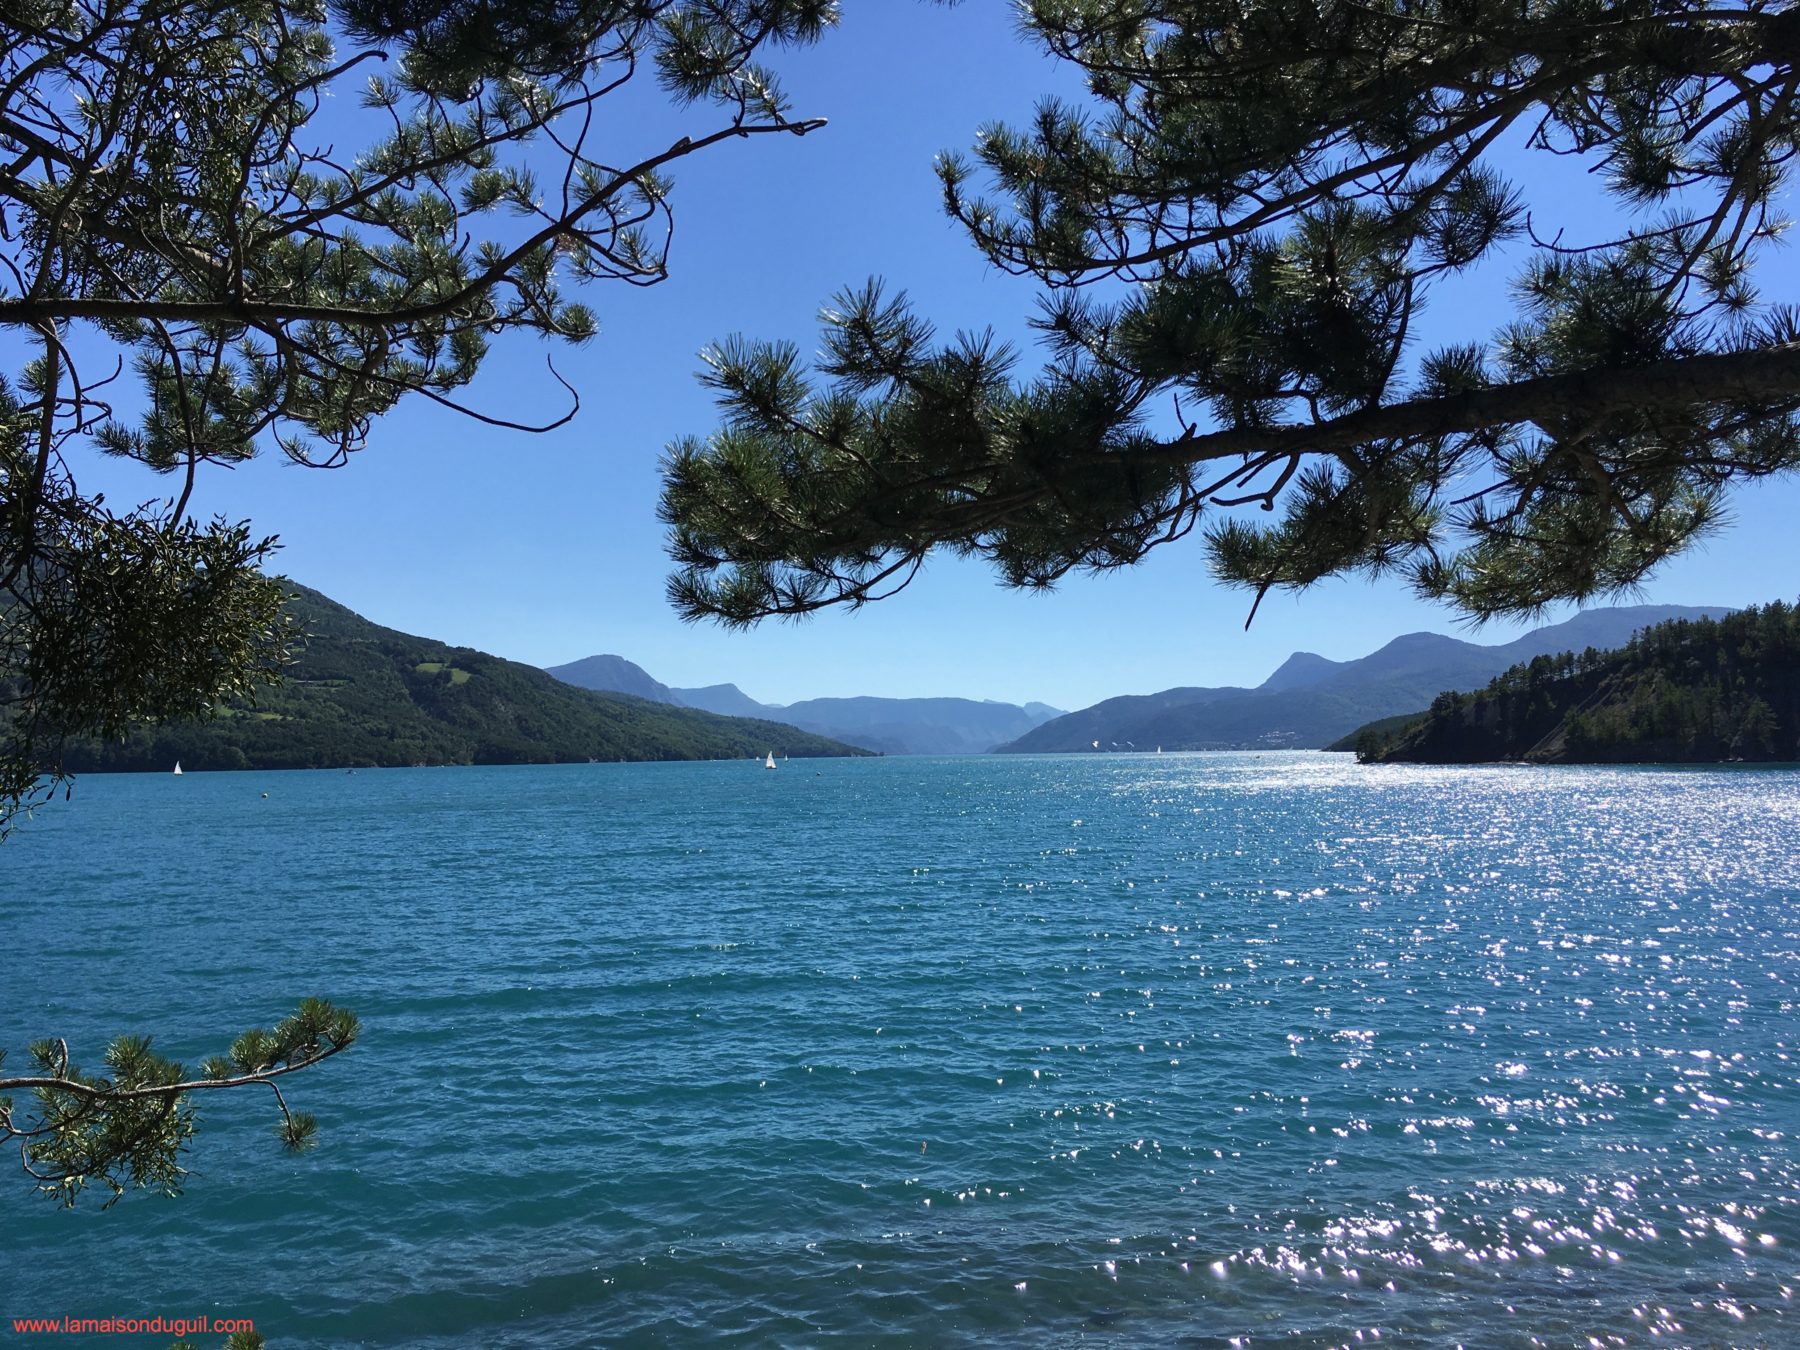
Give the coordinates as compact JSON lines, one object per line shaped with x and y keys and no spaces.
{"x":911,"y":726}
{"x":616,"y":675}
{"x":892,"y":726}
{"x":1301,"y":668}
{"x":1311,"y":700}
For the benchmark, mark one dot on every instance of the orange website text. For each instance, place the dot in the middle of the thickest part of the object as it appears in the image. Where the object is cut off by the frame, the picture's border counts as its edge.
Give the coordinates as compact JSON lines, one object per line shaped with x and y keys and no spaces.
{"x":158,"y":1325}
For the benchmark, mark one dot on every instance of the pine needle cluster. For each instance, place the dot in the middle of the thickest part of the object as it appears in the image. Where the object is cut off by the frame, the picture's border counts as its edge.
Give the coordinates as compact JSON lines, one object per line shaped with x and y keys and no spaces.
{"x":129,"y":1126}
{"x":1236,"y":234}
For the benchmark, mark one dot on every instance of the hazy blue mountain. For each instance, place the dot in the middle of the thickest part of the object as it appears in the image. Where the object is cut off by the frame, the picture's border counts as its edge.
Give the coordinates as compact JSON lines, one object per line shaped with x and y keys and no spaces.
{"x":727,"y":699}
{"x":911,"y":726}
{"x":1300,"y":669}
{"x":615,"y":675}
{"x":894,"y":726}
{"x":1436,"y":662}
{"x":1311,"y":701}
{"x":1602,"y":629}
{"x":1413,"y":668}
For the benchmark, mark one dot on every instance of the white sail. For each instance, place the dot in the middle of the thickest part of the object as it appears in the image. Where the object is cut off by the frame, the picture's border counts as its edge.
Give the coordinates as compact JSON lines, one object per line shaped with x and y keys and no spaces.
{"x":770,"y":763}
{"x":177,"y":766}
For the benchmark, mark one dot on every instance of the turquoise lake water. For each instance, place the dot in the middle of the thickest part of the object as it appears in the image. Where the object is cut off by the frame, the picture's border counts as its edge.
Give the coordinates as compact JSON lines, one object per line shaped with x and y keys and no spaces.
{"x":1191,"y":1049}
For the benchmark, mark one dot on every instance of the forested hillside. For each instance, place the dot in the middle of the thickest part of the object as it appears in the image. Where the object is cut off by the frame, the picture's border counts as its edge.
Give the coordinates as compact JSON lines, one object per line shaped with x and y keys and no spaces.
{"x":1685,"y":690}
{"x":362,"y":695}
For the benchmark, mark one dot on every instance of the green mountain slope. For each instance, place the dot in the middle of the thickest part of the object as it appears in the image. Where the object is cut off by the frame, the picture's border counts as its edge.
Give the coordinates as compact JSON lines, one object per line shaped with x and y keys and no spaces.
{"x":360,"y":694}
{"x":1685,"y":691}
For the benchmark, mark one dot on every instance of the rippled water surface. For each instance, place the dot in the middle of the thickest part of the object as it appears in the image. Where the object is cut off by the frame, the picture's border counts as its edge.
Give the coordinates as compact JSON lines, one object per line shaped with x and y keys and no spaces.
{"x":1155,"y":1050}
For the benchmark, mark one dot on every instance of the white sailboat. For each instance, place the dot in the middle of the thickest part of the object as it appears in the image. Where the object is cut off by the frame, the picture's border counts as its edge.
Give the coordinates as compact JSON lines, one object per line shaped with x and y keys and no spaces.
{"x":177,"y":766}
{"x":770,"y":763}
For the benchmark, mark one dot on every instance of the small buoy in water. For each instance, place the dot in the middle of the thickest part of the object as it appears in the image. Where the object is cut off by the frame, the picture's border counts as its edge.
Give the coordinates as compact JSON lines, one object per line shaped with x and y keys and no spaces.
{"x":265,"y":796}
{"x":921,"y":1146}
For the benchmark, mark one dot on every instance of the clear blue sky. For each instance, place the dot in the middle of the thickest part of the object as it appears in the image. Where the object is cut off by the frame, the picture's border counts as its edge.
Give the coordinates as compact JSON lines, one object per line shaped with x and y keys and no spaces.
{"x":546,"y":548}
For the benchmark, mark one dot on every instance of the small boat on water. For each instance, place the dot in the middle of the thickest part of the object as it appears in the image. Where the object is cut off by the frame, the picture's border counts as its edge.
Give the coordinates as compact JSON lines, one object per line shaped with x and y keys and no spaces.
{"x":177,"y":766}
{"x":770,"y":763}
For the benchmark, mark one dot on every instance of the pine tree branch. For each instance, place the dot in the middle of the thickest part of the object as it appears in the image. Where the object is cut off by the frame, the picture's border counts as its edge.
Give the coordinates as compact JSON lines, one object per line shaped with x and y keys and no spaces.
{"x":1770,"y":376}
{"x":267,"y":314}
{"x":111,"y":1095}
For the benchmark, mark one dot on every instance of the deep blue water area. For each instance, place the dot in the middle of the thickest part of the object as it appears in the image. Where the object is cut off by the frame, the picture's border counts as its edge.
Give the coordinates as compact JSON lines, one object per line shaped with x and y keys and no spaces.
{"x":1181,"y":1049}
